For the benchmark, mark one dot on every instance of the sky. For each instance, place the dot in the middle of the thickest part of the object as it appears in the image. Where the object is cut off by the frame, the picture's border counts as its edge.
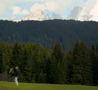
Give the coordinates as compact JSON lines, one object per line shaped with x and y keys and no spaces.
{"x":20,"y":8}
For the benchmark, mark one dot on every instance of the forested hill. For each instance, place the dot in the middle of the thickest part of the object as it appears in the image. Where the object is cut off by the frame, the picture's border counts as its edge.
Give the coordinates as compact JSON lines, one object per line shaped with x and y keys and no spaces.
{"x":49,"y":32}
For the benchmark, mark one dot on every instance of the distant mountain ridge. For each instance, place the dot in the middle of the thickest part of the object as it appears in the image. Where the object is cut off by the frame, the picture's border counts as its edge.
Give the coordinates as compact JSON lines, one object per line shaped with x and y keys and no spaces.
{"x":38,"y":15}
{"x":48,"y":32}
{"x":15,"y":19}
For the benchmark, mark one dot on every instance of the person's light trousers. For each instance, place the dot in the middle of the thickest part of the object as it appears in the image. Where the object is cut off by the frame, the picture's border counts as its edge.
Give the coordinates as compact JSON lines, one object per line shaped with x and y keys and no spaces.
{"x":16,"y":81}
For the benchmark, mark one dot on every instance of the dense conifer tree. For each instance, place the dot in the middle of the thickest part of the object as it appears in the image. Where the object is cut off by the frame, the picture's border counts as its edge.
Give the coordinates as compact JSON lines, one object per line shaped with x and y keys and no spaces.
{"x":97,"y":64}
{"x":76,"y":77}
{"x":14,"y":60}
{"x":1,"y":60}
{"x":25,"y":65}
{"x":41,"y":65}
{"x":57,"y":69}
{"x":69,"y":64}
{"x":94,"y":63}
{"x":6,"y":55}
{"x":86,"y":65}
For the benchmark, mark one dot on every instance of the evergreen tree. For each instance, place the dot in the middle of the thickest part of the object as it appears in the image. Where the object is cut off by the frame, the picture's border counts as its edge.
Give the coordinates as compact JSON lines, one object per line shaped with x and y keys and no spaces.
{"x":97,"y":65}
{"x":41,"y":65}
{"x":20,"y":50}
{"x":86,"y":65}
{"x":76,"y":77}
{"x":30,"y":61}
{"x":82,"y":65}
{"x":57,"y":69}
{"x":1,"y":60}
{"x":94,"y":63}
{"x":25,"y":65}
{"x":14,"y":61}
{"x":69,"y":68}
{"x":97,"y":48}
{"x":36,"y":63}
{"x":6,"y":55}
{"x":48,"y":67}
{"x":43,"y":56}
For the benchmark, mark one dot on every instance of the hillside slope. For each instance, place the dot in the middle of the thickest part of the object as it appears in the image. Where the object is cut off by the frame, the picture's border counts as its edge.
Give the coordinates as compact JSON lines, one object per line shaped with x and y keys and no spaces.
{"x":49,"y":32}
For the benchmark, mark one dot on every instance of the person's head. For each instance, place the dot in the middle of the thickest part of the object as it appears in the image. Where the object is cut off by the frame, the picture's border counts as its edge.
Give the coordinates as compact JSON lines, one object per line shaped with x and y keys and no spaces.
{"x":16,"y":68}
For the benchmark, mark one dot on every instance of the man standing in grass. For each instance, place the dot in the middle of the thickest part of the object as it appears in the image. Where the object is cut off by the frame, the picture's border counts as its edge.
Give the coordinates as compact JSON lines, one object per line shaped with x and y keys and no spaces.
{"x":16,"y":75}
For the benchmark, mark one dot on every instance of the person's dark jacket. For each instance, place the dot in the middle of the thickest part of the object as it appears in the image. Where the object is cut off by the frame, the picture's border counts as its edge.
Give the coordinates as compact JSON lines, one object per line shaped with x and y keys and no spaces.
{"x":15,"y":73}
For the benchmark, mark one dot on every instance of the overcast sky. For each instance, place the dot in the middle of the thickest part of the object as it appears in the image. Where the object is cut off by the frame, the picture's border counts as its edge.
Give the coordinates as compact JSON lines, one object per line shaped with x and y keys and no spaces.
{"x":19,"y":8}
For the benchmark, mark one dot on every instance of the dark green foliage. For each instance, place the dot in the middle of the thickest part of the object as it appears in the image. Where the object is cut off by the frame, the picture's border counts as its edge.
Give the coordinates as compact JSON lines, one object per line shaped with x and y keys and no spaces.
{"x":95,"y":64}
{"x":77,"y":69}
{"x":47,"y":33}
{"x":48,"y":68}
{"x":14,"y":60}
{"x":57,"y":71}
{"x":82,"y":65}
{"x":26,"y":69}
{"x":97,"y":48}
{"x":86,"y":64}
{"x":1,"y":60}
{"x":40,"y":65}
{"x":96,"y":81}
{"x":69,"y":64}
{"x":6,"y":55}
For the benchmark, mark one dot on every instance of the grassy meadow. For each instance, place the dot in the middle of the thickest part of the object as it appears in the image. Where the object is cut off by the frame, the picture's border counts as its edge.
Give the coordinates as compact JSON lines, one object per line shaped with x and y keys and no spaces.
{"x":34,"y":86}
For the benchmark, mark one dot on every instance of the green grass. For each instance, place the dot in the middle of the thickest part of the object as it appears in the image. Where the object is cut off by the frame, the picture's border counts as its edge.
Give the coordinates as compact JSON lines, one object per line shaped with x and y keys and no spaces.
{"x":33,"y":86}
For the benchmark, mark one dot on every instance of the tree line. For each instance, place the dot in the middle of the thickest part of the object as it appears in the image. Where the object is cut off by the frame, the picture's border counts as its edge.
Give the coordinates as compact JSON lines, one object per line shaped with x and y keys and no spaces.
{"x":47,"y":33}
{"x":41,"y":65}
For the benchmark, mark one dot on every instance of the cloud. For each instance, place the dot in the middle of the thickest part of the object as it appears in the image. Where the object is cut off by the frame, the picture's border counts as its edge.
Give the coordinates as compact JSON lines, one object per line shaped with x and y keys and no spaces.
{"x":14,"y":1}
{"x":25,"y":12}
{"x":57,"y":6}
{"x":37,"y":6}
{"x":17,"y":10}
{"x":61,"y":6}
{"x":94,"y":13}
{"x":52,"y":6}
{"x":88,"y":10}
{"x":2,"y":8}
